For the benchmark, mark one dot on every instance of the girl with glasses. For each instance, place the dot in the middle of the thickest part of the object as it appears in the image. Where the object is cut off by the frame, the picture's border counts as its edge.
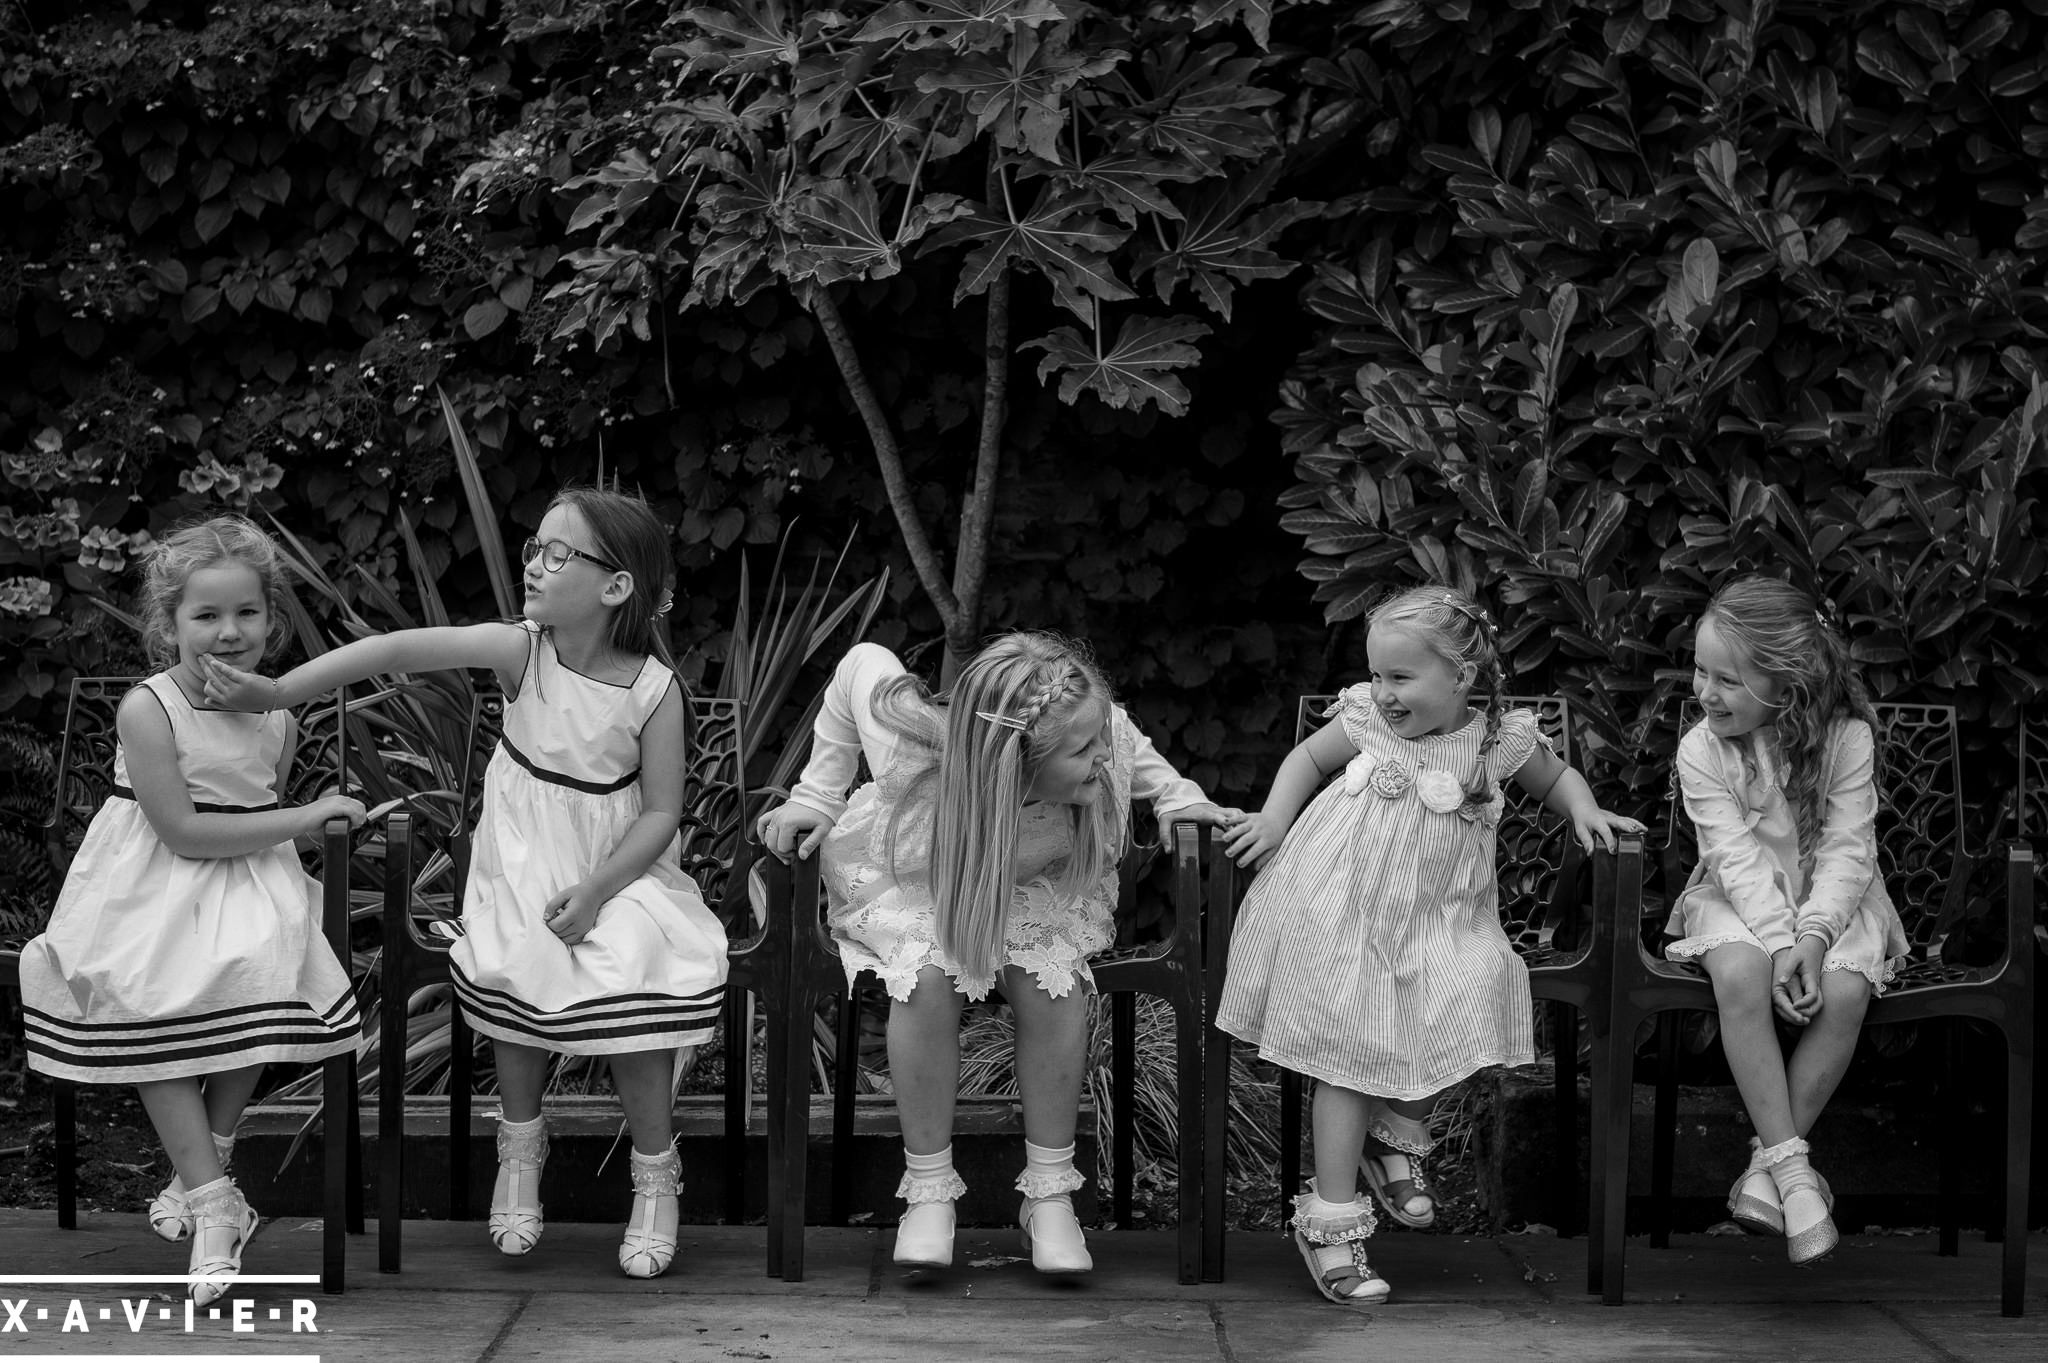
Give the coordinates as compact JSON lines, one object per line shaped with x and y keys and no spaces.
{"x":581,"y":933}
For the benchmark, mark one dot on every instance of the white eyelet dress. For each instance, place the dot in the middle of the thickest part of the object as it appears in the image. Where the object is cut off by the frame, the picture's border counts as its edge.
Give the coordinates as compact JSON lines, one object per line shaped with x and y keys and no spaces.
{"x":1369,"y":952}
{"x":160,"y":966}
{"x":561,"y":790}
{"x":1749,"y":887}
{"x":881,"y":911}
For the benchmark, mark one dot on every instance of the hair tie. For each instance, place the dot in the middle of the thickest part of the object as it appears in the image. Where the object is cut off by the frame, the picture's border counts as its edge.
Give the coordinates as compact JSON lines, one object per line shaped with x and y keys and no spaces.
{"x":1823,"y":617}
{"x":1007,"y":721}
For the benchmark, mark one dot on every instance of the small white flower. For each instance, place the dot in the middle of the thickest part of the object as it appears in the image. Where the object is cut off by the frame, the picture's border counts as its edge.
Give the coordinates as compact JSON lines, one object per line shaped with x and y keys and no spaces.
{"x":1439,"y":791}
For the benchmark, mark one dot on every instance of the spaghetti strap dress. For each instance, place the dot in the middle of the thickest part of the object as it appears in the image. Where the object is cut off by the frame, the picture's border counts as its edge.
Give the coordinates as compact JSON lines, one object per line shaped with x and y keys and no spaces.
{"x":560,"y":791}
{"x":159,"y":966}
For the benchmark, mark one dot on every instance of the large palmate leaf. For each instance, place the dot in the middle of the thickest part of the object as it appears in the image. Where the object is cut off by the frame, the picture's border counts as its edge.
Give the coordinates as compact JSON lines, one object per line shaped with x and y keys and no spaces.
{"x":837,"y":231}
{"x":1199,"y":105}
{"x":1055,"y":237}
{"x":1016,"y":93}
{"x":1136,"y":372}
{"x":1224,"y":240}
{"x":962,"y":25}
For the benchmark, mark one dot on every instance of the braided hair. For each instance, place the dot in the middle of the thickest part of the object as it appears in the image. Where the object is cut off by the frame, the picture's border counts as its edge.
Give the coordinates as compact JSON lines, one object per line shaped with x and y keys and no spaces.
{"x":1459,"y":630}
{"x":1779,"y":630}
{"x":976,"y":751}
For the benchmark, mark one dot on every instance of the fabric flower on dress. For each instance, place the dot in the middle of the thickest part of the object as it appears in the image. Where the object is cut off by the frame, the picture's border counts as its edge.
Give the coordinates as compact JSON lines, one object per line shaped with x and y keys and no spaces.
{"x":1486,"y":815}
{"x":1439,"y":791}
{"x":1357,"y":772}
{"x":1390,"y":779}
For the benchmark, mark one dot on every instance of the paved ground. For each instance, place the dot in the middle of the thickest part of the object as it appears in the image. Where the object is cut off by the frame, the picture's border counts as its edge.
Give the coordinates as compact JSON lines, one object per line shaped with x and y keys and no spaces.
{"x":1708,"y":1297}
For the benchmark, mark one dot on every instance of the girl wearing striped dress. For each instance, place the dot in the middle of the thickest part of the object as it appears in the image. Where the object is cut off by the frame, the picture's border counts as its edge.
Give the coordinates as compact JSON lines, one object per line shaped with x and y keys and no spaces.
{"x":184,"y":952}
{"x":1369,"y":953}
{"x":581,"y":933}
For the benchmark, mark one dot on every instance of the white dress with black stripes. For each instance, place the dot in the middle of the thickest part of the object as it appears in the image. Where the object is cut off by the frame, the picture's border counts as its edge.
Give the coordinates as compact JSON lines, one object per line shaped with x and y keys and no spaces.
{"x":1369,"y":953}
{"x":561,"y":790}
{"x":160,"y":966}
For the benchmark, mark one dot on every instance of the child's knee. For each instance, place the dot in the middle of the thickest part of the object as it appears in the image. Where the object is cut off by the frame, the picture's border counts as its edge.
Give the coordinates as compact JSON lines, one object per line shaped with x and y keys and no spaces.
{"x":1845,"y":991}
{"x":1741,"y":974}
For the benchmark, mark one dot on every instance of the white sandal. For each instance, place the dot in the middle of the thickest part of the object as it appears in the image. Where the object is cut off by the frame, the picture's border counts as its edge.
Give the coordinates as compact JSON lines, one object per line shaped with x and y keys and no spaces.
{"x":650,"y":1243}
{"x":170,"y":1211}
{"x":516,"y":1220}
{"x":223,"y":1224}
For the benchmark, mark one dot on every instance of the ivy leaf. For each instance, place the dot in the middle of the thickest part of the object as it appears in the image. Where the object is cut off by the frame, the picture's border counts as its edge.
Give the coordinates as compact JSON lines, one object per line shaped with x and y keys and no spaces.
{"x":963,"y":25}
{"x":1070,"y":250}
{"x":1017,"y":101}
{"x":1135,"y":372}
{"x":1222,"y":242}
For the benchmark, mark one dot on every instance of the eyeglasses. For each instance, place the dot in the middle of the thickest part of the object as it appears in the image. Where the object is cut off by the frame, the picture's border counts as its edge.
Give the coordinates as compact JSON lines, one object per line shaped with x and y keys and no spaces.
{"x":555,"y":556}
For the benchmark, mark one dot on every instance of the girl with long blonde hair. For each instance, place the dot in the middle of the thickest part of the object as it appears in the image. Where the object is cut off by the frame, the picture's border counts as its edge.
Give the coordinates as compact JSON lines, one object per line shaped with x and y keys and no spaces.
{"x":982,"y":856}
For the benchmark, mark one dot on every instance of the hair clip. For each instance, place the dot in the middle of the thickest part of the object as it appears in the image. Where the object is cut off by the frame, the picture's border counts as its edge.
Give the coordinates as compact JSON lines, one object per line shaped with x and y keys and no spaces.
{"x":668,"y":599}
{"x":1007,"y":721}
{"x":1824,"y":617}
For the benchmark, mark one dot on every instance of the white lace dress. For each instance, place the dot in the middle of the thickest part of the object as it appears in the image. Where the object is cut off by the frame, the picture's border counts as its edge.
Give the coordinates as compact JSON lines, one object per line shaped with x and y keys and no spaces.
{"x":1748,"y":886}
{"x":882,"y":912}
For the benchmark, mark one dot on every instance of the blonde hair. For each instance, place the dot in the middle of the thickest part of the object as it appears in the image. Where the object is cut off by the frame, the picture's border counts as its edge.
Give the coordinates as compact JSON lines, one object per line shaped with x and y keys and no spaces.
{"x":206,"y":544}
{"x":984,"y":742}
{"x":1457,"y":629}
{"x":1779,"y":630}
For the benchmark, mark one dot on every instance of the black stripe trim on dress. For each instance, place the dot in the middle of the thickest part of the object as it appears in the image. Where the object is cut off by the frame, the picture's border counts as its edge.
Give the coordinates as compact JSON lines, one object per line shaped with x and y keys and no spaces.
{"x":123,"y":792}
{"x":136,"y":1059}
{"x":700,"y":1014}
{"x":517,"y":1004}
{"x":343,"y":1001}
{"x":302,"y":1018}
{"x":684,"y":1028}
{"x":558,"y":779}
{"x":663,"y":1006}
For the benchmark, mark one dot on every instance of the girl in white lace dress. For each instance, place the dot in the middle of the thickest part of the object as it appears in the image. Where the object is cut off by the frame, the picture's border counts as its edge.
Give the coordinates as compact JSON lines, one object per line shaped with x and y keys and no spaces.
{"x":582,"y":935}
{"x":1786,"y":909}
{"x":985,"y":853}
{"x":1369,"y":954}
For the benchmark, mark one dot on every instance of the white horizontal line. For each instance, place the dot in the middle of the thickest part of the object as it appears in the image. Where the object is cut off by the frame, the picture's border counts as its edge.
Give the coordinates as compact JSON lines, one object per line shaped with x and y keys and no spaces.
{"x":115,"y":1278}
{"x":159,"y":1358}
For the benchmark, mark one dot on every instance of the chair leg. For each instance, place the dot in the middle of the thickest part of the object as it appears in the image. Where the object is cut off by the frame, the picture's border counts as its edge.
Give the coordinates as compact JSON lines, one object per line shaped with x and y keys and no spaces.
{"x":391,"y":1113}
{"x":1215,"y":1146}
{"x":1613,"y":1082}
{"x":791,"y":1141}
{"x":354,"y":1145}
{"x":64,"y":1121}
{"x":1123,"y":1101}
{"x":2019,"y":1130}
{"x":1950,"y":1155}
{"x":1188,"y":1029}
{"x":1664,"y":1128}
{"x":845,"y":1083}
{"x":1290,"y":1141}
{"x":334,"y":1152}
{"x":738,"y":1037}
{"x":1567,"y":1203}
{"x":461,"y":1085}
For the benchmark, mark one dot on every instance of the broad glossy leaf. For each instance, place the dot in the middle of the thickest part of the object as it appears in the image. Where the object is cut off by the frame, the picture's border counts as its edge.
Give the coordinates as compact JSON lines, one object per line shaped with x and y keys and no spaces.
{"x":1136,"y":372}
{"x":963,"y":25}
{"x":1224,"y":240}
{"x":749,"y":34}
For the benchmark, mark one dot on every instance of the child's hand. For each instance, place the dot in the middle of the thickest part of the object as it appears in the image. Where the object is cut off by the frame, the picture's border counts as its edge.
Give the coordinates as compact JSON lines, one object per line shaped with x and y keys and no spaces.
{"x":1795,"y":980}
{"x":1254,"y":838}
{"x":570,"y":915}
{"x":1215,"y":816}
{"x":227,"y":687}
{"x":1602,"y":826}
{"x":793,"y":828}
{"x":334,"y":807}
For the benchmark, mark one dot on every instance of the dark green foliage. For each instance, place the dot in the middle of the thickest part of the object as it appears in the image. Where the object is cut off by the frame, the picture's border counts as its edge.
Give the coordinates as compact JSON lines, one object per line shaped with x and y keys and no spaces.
{"x":1634,"y":296}
{"x":28,"y":880}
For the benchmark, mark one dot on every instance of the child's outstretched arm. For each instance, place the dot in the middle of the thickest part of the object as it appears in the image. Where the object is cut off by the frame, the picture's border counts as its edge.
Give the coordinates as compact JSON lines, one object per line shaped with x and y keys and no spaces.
{"x":845,"y":730}
{"x":1256,"y":836}
{"x":159,"y":785}
{"x":572,"y":912}
{"x":1550,"y":779}
{"x":498,"y":646}
{"x":1174,"y":797}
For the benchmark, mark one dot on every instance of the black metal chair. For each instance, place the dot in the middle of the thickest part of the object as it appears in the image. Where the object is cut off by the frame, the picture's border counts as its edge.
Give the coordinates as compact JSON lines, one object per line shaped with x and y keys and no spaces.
{"x":1178,"y":969}
{"x":1926,"y":866}
{"x":1546,"y":912}
{"x":85,"y":779}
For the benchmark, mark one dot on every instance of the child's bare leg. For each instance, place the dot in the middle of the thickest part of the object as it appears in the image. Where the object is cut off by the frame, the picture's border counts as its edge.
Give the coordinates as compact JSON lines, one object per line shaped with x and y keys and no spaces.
{"x":516,"y":1219}
{"x":1338,"y":1118}
{"x":1052,"y":1035}
{"x":177,"y":1109}
{"x":924,"y":1070}
{"x":1825,"y":1046}
{"x":646,"y":1084}
{"x":227,"y":1094}
{"x":1742,"y":991}
{"x":522,"y":1074}
{"x":924,"y":1061}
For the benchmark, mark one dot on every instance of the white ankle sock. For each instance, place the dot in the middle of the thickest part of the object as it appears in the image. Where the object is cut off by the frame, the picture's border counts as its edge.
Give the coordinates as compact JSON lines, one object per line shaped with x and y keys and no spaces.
{"x":933,"y":1168}
{"x":1043,"y":1159}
